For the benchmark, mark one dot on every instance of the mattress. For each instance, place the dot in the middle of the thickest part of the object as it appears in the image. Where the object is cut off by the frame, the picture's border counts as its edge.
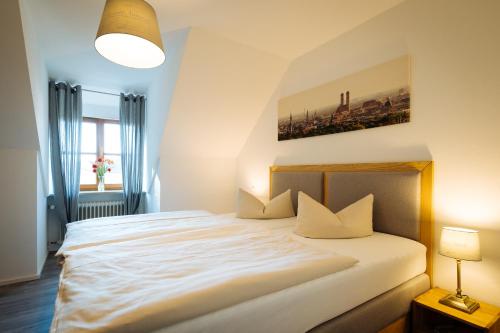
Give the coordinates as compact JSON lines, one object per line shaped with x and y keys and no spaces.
{"x":385,"y":261}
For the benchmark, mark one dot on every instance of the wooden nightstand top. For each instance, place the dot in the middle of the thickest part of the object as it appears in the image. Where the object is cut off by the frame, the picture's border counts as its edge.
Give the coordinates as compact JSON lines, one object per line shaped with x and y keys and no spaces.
{"x":484,"y":317}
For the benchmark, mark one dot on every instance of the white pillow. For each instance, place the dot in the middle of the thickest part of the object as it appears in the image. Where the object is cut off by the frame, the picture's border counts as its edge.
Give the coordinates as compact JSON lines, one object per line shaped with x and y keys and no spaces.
{"x":249,"y":207}
{"x":316,"y":221}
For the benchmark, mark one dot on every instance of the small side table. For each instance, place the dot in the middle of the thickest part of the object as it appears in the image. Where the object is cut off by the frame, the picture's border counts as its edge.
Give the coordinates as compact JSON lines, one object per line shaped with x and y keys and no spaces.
{"x":430,"y":316}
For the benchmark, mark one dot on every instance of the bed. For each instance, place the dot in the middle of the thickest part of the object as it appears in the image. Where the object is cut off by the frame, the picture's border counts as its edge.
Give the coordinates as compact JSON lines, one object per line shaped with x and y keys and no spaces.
{"x":369,"y":295}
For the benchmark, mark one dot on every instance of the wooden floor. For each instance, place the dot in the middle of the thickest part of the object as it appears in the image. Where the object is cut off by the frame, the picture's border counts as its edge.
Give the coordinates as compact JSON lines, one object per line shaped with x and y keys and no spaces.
{"x":29,"y":306}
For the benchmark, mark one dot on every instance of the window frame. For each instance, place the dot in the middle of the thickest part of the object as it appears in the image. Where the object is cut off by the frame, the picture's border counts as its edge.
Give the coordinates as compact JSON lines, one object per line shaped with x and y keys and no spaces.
{"x":100,"y":152}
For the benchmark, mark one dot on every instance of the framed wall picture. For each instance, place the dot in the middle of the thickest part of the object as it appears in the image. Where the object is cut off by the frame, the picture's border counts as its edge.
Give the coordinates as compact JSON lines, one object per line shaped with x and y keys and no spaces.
{"x":377,"y":96}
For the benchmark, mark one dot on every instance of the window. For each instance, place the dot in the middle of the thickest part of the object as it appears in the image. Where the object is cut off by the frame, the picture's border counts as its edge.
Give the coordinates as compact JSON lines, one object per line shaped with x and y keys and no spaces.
{"x":100,"y":137}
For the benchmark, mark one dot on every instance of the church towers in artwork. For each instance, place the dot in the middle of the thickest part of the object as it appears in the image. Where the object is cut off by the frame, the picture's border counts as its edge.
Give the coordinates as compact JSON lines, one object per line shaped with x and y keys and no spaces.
{"x":344,"y":107}
{"x":337,"y":115}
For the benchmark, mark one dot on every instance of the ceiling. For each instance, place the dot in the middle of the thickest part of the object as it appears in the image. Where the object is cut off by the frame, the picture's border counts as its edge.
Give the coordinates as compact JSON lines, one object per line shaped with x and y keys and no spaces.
{"x":285,"y":28}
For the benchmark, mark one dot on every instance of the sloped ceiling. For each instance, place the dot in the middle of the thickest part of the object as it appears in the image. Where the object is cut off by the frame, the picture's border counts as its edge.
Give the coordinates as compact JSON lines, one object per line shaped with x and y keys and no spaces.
{"x":287,"y":28}
{"x":278,"y":29}
{"x":17,"y":117}
{"x":221,"y":89}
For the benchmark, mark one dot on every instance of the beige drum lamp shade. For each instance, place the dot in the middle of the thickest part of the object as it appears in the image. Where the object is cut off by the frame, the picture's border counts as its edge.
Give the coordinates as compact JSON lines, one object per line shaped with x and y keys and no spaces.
{"x":460,"y":243}
{"x":129,"y":34}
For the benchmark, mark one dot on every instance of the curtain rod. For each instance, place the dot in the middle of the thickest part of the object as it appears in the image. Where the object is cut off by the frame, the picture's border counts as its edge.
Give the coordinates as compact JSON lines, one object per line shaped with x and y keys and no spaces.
{"x":101,"y":92}
{"x":108,"y":93}
{"x":112,"y":94}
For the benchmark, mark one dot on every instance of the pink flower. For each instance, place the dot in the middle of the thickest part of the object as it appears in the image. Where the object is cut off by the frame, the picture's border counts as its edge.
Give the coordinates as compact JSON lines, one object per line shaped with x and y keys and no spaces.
{"x":109,"y":169}
{"x":94,"y":171}
{"x":99,"y":159}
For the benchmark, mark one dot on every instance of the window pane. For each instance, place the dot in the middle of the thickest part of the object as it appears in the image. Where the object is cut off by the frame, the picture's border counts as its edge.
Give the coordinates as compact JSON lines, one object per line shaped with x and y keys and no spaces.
{"x":86,"y":175}
{"x":112,"y":138}
{"x":115,"y":176}
{"x":89,"y":137}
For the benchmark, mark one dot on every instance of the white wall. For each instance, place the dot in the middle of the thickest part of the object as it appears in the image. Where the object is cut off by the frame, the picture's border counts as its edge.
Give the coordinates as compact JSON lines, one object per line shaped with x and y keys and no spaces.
{"x":41,"y":216}
{"x":100,"y":105}
{"x":455,"y":118}
{"x":159,"y":98}
{"x":39,"y":91}
{"x":221,"y":88}
{"x":23,"y":151}
{"x":18,"y":215}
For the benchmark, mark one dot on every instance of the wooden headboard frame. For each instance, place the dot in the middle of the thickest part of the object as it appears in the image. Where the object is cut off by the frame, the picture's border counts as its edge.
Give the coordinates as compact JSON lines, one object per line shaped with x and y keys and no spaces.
{"x":426,"y":178}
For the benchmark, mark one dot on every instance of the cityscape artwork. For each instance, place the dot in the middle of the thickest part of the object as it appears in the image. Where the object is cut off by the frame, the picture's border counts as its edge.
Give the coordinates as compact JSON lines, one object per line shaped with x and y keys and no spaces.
{"x":377,"y":96}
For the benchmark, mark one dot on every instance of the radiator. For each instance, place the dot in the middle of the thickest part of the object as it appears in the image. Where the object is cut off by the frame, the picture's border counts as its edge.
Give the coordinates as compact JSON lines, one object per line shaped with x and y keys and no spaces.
{"x":93,"y":209}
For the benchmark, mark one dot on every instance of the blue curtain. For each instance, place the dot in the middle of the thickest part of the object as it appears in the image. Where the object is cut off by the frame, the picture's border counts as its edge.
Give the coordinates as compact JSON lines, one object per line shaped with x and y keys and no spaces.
{"x":65,"y":122}
{"x":132,"y":132}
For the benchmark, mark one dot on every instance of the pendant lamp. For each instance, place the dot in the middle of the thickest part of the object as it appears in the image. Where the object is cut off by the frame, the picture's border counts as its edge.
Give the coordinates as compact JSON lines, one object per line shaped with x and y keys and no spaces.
{"x":129,"y":34}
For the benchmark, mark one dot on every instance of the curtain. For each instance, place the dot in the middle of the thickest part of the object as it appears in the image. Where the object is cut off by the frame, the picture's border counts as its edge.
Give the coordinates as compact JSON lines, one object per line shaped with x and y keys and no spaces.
{"x":132,"y":132}
{"x":65,"y":124}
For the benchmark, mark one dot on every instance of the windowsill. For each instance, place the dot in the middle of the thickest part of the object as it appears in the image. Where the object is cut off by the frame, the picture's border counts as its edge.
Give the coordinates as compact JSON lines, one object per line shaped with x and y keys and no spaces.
{"x":100,"y":196}
{"x":101,"y":192}
{"x":111,"y":192}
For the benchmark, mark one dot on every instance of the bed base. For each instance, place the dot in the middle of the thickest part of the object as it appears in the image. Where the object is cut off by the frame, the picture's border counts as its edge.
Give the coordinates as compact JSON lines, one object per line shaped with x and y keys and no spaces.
{"x":386,"y":313}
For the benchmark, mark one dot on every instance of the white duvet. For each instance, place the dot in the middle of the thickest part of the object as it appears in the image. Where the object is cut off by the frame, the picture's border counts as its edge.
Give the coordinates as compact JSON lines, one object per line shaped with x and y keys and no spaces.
{"x":146,"y":280}
{"x":98,"y":231}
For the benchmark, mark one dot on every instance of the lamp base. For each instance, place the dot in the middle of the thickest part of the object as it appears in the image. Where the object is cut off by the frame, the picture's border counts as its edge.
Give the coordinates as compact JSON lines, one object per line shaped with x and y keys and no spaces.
{"x":464,"y":303}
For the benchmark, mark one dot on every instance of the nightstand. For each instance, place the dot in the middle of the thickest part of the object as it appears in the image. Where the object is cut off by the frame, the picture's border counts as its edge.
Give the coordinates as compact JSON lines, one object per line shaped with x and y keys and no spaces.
{"x":428,"y":315}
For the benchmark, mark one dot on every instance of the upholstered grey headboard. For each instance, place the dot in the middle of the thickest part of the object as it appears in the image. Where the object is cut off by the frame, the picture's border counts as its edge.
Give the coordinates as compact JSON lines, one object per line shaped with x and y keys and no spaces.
{"x":402,"y":193}
{"x":396,"y":205}
{"x":310,"y":183}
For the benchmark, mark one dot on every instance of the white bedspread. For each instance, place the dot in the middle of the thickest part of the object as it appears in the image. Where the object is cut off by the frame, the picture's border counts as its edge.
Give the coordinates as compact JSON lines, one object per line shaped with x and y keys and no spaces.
{"x":385,"y":262}
{"x":144,"y":283}
{"x":97,"y":231}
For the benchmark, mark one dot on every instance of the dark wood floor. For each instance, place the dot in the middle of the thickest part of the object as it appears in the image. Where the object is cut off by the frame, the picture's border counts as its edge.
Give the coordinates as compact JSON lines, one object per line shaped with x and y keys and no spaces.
{"x":29,"y":306}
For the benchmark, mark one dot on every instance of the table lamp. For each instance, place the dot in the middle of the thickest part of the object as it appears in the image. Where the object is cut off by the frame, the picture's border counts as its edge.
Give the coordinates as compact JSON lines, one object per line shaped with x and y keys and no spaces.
{"x":460,"y":244}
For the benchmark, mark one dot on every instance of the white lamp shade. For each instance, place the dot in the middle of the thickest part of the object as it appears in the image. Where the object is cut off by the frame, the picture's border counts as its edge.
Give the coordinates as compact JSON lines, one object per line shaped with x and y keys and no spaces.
{"x":460,"y":243}
{"x":129,"y":34}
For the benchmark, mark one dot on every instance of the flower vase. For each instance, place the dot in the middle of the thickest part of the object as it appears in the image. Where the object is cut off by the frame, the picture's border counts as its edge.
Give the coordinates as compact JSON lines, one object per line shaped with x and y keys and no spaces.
{"x":100,"y":185}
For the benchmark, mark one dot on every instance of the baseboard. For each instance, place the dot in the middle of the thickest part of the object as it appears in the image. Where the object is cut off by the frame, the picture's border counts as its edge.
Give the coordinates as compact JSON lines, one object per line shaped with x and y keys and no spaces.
{"x":20,"y":279}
